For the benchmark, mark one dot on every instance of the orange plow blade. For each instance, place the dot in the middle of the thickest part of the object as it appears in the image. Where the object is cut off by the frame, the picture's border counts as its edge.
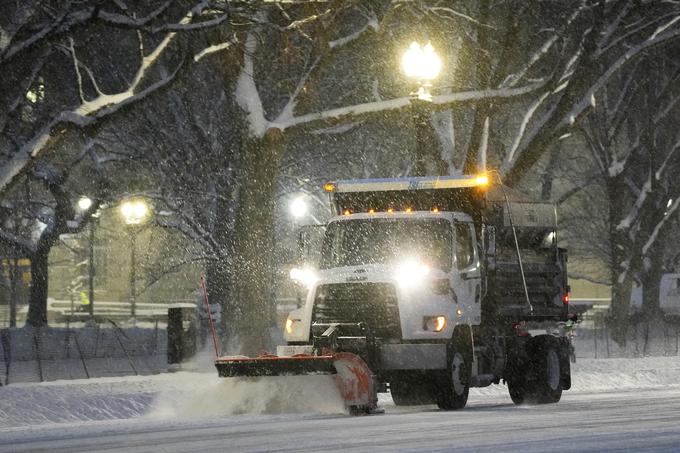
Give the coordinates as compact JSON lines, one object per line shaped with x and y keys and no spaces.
{"x":352,"y":377}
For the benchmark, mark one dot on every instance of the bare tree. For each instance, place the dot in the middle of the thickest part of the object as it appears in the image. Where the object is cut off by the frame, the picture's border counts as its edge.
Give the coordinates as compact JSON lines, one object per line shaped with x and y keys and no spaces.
{"x":635,"y":146}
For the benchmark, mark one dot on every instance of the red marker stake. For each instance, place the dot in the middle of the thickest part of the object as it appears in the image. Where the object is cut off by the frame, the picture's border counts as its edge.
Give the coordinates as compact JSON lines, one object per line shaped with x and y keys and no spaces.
{"x":210,"y":321}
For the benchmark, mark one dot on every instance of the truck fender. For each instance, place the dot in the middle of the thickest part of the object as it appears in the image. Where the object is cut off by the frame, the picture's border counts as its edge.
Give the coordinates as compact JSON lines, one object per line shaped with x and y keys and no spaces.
{"x":461,"y":339}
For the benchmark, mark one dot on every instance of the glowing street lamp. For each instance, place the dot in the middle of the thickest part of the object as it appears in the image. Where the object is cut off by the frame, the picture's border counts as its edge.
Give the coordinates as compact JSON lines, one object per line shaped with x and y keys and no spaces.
{"x":298,"y":207}
{"x":84,"y":203}
{"x":135,"y":213}
{"x":423,"y":64}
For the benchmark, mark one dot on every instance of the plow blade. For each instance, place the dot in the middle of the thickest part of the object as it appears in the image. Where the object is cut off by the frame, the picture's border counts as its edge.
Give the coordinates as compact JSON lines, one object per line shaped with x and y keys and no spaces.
{"x":351,"y":375}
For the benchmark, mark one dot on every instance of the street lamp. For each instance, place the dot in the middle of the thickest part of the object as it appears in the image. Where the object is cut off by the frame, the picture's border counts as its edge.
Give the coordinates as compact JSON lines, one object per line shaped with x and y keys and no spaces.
{"x":422,"y":64}
{"x":298,"y":207}
{"x":135,"y":213}
{"x":84,"y":204}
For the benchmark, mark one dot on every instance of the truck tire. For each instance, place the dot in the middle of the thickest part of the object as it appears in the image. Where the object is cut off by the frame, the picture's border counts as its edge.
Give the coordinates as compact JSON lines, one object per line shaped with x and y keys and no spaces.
{"x":540,"y":380}
{"x":453,"y":392}
{"x":517,"y":390}
{"x":548,"y":382}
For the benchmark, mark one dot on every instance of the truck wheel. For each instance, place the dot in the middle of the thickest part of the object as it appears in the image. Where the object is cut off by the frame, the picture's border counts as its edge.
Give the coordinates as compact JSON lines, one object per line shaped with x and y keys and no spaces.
{"x":518,"y":391}
{"x":408,"y":392}
{"x":548,"y":384}
{"x":540,"y":380}
{"x":453,"y":393}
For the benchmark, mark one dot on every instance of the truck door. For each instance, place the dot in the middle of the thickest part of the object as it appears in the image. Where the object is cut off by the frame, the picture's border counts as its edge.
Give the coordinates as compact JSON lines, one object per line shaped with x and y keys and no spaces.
{"x":466,"y":275}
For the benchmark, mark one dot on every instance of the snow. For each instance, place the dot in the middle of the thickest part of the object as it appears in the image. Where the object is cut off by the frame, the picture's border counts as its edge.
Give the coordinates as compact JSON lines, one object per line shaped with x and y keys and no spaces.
{"x":663,"y":28}
{"x":214,"y":48}
{"x":4,"y":39}
{"x":246,"y":94}
{"x":403,"y":102}
{"x":522,"y":128}
{"x":372,"y":24}
{"x":199,"y":395}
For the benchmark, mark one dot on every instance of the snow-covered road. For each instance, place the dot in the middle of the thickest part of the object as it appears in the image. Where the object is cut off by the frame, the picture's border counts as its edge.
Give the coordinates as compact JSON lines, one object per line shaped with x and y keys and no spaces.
{"x":628,"y":404}
{"x":630,"y":420}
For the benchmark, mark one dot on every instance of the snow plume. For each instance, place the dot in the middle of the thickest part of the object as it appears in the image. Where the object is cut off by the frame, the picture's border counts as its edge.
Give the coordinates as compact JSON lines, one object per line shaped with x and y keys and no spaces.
{"x":200,"y":395}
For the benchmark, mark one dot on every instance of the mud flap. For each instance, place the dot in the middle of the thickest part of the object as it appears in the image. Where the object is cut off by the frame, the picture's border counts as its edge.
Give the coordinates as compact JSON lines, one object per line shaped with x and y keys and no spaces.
{"x":565,"y":363}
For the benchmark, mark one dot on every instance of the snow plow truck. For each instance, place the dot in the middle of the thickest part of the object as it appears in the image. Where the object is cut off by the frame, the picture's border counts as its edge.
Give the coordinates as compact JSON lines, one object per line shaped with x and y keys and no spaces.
{"x":428,"y":286}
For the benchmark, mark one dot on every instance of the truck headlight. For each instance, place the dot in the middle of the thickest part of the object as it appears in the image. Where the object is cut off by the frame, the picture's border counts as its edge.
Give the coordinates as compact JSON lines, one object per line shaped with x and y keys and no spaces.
{"x":412,"y":273}
{"x":290,"y":324}
{"x":434,"y":323}
{"x":306,"y":277}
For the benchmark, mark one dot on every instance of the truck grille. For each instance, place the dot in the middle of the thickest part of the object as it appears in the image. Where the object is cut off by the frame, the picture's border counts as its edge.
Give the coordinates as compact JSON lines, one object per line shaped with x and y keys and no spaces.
{"x":374,"y":304}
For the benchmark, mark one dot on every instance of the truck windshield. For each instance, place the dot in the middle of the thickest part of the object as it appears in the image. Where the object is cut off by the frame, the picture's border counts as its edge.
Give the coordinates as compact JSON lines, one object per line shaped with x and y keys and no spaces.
{"x":368,"y":241}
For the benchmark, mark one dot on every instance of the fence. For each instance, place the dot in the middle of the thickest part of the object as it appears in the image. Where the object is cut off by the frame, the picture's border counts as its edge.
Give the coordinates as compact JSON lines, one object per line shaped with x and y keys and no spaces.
{"x":44,"y":354}
{"x":644,"y":338}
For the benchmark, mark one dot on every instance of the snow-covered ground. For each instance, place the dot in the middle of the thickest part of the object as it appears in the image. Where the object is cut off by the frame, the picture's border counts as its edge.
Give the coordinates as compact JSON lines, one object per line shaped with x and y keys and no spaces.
{"x":199,"y":399}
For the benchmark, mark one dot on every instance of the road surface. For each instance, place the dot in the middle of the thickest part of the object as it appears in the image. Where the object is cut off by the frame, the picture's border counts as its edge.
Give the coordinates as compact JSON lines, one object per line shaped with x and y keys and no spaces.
{"x":624,"y":420}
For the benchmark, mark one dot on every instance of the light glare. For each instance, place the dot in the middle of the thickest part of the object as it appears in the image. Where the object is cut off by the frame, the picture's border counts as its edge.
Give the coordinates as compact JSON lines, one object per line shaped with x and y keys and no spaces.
{"x":412,"y":272}
{"x":298,"y":207}
{"x":304,"y":276}
{"x":422,"y":63}
{"x":134,"y":212}
{"x":84,"y":203}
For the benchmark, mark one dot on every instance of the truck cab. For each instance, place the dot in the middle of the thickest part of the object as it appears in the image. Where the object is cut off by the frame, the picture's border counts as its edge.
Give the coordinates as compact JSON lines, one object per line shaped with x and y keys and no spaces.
{"x":426,"y":262}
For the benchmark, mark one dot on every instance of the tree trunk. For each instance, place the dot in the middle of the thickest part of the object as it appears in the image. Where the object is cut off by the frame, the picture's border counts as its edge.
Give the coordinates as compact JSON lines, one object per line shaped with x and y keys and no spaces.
{"x":37,"y":308}
{"x":254,"y":242}
{"x":651,"y":278}
{"x":621,"y":267}
{"x":428,"y":160}
{"x":220,"y":273}
{"x":13,"y":290}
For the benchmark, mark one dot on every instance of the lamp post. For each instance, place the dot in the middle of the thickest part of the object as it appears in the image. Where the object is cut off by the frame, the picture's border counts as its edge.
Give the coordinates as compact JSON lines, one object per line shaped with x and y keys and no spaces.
{"x":84,"y":204}
{"x":422,"y":64}
{"x":135,"y":213}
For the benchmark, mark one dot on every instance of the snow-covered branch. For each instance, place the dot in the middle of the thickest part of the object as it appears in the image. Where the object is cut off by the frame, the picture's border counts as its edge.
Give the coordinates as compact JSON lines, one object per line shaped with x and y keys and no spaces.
{"x":86,"y":114}
{"x":246,"y":94}
{"x":440,"y":101}
{"x":371,"y":24}
{"x":215,"y":48}
{"x":510,"y":155}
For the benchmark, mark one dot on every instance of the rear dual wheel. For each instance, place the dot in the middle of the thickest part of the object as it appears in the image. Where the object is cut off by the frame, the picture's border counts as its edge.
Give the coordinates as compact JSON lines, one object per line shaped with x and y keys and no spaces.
{"x":541,"y":381}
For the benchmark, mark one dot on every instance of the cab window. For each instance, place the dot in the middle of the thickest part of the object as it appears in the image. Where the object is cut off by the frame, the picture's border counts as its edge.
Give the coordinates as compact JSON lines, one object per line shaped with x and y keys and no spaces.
{"x":465,"y":254}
